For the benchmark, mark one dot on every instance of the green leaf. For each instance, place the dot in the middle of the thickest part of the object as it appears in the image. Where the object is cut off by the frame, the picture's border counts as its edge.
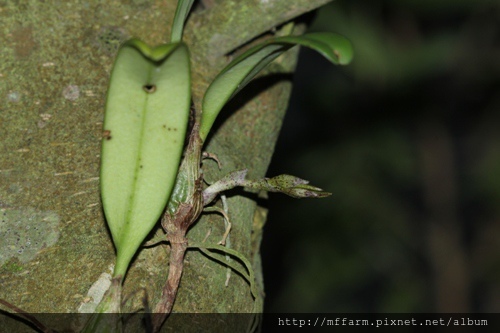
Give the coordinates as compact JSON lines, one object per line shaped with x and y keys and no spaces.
{"x":145,"y":124}
{"x":243,"y":69}
{"x":183,"y":8}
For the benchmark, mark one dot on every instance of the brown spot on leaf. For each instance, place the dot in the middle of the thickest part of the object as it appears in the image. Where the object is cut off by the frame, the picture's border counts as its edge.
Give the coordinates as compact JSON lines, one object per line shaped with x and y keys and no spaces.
{"x":149,"y":88}
{"x":106,"y":134}
{"x":336,"y":53}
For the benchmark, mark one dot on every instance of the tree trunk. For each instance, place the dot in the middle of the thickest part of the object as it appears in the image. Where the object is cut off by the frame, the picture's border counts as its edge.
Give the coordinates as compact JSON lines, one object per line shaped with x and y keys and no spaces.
{"x":55,"y":66}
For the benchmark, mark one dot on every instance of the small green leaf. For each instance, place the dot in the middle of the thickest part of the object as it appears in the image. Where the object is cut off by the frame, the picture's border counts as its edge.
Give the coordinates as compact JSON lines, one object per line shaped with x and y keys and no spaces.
{"x":183,"y":8}
{"x":243,"y":69}
{"x":145,"y":124}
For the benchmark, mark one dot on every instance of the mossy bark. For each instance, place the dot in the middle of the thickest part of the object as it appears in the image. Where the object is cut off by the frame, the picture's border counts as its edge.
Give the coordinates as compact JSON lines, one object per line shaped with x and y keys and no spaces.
{"x":54,"y":71}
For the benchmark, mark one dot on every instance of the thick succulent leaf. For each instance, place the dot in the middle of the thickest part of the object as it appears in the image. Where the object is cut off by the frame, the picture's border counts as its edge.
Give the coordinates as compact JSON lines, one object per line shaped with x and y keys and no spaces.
{"x":147,"y":111}
{"x":183,"y":8}
{"x":243,"y":69}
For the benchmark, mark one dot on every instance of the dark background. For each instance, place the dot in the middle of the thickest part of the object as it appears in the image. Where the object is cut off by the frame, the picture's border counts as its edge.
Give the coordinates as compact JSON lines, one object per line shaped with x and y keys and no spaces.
{"x":406,"y":138}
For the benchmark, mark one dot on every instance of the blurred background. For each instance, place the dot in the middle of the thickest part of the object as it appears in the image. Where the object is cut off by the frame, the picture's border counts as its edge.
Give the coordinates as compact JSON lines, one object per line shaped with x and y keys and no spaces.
{"x":406,"y":138}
